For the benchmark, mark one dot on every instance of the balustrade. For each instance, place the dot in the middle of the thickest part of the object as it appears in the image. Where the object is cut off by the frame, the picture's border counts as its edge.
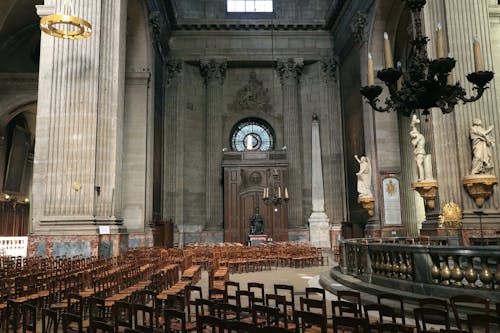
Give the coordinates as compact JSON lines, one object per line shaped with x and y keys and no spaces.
{"x":417,"y":266}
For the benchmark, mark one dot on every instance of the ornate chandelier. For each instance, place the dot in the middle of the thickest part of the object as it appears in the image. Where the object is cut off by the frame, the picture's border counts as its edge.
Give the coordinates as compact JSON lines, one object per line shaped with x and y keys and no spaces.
{"x":65,"y":25}
{"x":426,"y":83}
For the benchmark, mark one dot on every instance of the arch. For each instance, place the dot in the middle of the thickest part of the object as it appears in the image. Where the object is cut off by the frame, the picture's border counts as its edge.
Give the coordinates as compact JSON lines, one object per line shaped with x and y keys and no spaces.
{"x":254,"y":128}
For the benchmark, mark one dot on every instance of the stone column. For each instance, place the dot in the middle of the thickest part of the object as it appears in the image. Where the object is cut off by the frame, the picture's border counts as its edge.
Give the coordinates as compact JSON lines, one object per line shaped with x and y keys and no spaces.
{"x":171,"y":128}
{"x":334,"y":178}
{"x":77,"y":162}
{"x":290,"y":71}
{"x":318,"y":221}
{"x":213,"y":71}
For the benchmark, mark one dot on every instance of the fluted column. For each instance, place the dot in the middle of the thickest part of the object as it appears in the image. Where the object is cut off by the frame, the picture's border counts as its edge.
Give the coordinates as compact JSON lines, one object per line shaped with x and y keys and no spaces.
{"x":213,"y":71}
{"x":77,"y":167}
{"x":290,"y":71}
{"x":334,"y":175}
{"x":171,"y":127}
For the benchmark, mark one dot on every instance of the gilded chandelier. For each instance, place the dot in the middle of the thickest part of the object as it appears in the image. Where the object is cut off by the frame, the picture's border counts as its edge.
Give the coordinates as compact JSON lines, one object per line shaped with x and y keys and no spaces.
{"x":426,"y":83}
{"x":65,"y":25}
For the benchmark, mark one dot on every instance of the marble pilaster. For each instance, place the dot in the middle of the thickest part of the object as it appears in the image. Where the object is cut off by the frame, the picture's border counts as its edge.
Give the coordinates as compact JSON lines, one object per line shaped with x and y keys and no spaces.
{"x":319,"y":226}
{"x":213,"y":71}
{"x":172,"y":127}
{"x":290,"y":71}
{"x":77,"y":167}
{"x":335,"y":177}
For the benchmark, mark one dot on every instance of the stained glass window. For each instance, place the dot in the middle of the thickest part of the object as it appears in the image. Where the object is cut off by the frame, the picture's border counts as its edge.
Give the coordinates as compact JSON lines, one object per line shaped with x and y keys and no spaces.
{"x":252,"y":134}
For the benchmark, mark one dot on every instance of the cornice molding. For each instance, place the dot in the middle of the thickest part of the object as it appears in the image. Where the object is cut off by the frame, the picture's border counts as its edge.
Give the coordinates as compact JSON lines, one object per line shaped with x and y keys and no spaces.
{"x":251,"y":25}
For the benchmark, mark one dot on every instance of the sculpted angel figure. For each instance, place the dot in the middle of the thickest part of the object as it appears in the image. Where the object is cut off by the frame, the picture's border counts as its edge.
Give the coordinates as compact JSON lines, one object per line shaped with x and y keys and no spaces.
{"x":364,"y":177}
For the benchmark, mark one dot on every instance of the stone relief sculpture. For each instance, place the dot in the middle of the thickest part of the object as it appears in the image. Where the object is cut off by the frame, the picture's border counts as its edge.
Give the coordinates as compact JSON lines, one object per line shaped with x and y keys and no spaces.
{"x":252,"y":96}
{"x":364,"y":177}
{"x":482,"y":143}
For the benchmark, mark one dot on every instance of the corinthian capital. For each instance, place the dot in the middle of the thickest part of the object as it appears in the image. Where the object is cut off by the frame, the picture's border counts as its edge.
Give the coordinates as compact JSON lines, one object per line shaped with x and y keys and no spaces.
{"x":329,"y":67}
{"x":213,"y":70}
{"x":290,"y":70}
{"x":173,"y":68}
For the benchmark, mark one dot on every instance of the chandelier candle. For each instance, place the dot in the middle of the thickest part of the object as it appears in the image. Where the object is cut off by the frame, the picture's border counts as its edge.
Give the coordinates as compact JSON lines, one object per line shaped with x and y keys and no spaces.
{"x":371,"y":74}
{"x":478,"y":58}
{"x":439,"y":42}
{"x":387,"y":52}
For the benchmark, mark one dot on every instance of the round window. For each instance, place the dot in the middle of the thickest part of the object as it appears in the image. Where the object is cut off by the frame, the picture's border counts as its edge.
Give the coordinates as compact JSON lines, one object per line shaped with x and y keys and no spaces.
{"x":252,"y":134}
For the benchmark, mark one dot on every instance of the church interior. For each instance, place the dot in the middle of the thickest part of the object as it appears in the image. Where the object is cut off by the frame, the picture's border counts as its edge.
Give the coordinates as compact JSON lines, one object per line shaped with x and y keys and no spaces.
{"x":179,"y":141}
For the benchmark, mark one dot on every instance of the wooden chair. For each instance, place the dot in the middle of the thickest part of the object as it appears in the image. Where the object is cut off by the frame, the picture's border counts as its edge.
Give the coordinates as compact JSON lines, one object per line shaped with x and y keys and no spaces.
{"x":341,"y":308}
{"x":192,"y":293}
{"x":424,"y":317}
{"x":287,"y":291}
{"x":263,"y":315}
{"x":29,"y":317}
{"x":391,"y":328}
{"x":483,"y":323}
{"x":97,"y":326}
{"x":274,"y":329}
{"x":310,"y":322}
{"x":279,"y":302}
{"x":458,"y":302}
{"x":396,"y":303}
{"x":435,"y":303}
{"x":349,"y":324}
{"x":216,"y":295}
{"x":204,"y":307}
{"x":144,"y":318}
{"x":244,"y":300}
{"x":50,"y":322}
{"x":258,"y":291}
{"x":239,"y":327}
{"x":380,"y":311}
{"x":227,"y":311}
{"x":122,"y":316}
{"x":313,"y":305}
{"x":318,"y":293}
{"x":209,"y":324}
{"x":230,"y":289}
{"x":97,"y":309}
{"x":72,"y":323}
{"x":175,"y":321}
{"x":353,"y":297}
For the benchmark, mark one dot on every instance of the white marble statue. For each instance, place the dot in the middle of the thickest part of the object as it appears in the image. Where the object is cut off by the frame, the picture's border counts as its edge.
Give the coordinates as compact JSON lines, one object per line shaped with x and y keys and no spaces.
{"x":364,"y":177}
{"x":423,"y":160}
{"x":482,"y":143}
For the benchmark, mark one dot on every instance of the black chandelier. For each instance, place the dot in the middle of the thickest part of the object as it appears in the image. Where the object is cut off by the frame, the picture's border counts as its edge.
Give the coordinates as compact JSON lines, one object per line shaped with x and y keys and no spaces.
{"x":426,"y":83}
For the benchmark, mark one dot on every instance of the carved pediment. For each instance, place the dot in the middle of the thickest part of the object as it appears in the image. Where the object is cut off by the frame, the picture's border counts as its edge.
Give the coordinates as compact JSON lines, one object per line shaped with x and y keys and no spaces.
{"x":252,"y":96}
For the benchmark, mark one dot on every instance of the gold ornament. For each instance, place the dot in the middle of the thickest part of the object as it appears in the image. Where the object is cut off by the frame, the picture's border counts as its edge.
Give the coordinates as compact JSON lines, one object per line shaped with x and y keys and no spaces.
{"x":451,"y":216}
{"x":71,"y":27}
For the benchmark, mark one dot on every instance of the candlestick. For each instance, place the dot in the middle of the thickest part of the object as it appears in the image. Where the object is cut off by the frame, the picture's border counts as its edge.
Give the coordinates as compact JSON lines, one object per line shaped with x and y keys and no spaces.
{"x":264,"y":193}
{"x":387,"y":52}
{"x":286,"y":193}
{"x":371,"y":78}
{"x":439,"y":42}
{"x":279,"y":192}
{"x":478,"y":58}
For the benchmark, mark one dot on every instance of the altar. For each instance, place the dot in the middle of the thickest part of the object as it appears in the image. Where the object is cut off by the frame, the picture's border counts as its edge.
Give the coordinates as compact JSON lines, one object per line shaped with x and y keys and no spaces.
{"x":254,"y":240}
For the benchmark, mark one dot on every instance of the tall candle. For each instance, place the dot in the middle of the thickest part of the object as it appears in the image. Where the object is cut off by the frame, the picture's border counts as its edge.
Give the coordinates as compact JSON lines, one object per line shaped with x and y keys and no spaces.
{"x":279,"y":192}
{"x":478,"y":58}
{"x":439,"y":42}
{"x":449,"y":79}
{"x":387,"y":52}
{"x":371,"y":78}
{"x":286,"y":193}
{"x":399,"y":84}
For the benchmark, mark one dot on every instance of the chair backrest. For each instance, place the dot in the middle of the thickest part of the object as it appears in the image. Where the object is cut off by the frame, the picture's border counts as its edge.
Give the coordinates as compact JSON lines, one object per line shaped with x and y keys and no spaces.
{"x":144,"y":317}
{"x":210,"y":324}
{"x":307,"y":319}
{"x":483,"y":323}
{"x":174,"y":319}
{"x":230,"y":288}
{"x":122,"y":315}
{"x":258,"y":291}
{"x":70,"y":318}
{"x":97,"y":310}
{"x":395,"y":302}
{"x":313,"y":305}
{"x":75,"y":304}
{"x":391,"y":328}
{"x":426,"y":316}
{"x":175,"y":301}
{"x":270,"y":314}
{"x":204,"y":307}
{"x":435,"y":303}
{"x":381,"y":311}
{"x":314,"y":292}
{"x":287,"y":291}
{"x":349,"y":324}
{"x":50,"y":321}
{"x":342,"y":308}
{"x":227,"y":311}
{"x":278,"y":302}
{"x":351,"y":296}
{"x":29,"y":317}
{"x":240,"y":327}
{"x":193,"y":292}
{"x":244,"y":299}
{"x":216,"y":295}
{"x":459,"y":302}
{"x":97,"y":326}
{"x":146,"y":297}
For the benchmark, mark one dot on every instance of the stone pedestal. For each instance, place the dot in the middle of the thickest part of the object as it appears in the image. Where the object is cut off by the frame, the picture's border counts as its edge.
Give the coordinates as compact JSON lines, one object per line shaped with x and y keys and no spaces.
{"x":319,"y":227}
{"x":368,"y":204}
{"x":428,"y":191}
{"x":480,"y":187}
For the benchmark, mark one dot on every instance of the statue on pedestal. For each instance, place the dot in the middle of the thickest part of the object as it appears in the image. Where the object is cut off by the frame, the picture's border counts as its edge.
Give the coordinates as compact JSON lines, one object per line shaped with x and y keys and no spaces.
{"x":256,"y":223}
{"x":481,"y":180}
{"x":364,"y":177}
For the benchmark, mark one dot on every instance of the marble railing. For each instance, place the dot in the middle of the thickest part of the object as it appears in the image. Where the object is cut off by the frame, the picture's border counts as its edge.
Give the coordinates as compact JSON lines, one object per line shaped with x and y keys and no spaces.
{"x":14,"y":246}
{"x":420,"y":267}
